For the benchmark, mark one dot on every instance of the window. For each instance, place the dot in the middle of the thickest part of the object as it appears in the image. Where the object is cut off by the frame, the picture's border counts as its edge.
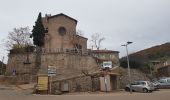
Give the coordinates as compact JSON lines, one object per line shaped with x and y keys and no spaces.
{"x":162,"y":81}
{"x":142,"y":83}
{"x":135,"y":83}
{"x":168,"y":80}
{"x":62,"y":30}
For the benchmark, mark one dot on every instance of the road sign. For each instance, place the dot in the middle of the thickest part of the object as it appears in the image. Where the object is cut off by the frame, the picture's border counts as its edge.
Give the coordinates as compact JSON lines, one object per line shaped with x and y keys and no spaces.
{"x":51,"y":70}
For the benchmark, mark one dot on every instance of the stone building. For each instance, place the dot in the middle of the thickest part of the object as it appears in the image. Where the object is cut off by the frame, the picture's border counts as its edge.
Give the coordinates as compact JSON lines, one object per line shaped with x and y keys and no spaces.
{"x":67,"y":52}
{"x":62,"y":33}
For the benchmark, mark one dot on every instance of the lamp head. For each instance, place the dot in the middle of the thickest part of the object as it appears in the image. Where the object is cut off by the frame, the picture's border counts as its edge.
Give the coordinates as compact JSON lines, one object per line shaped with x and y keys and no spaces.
{"x":129,"y":42}
{"x":123,"y":45}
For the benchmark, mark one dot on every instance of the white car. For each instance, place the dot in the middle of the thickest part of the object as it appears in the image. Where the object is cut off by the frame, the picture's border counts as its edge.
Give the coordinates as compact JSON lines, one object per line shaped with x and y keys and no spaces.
{"x":141,"y":86}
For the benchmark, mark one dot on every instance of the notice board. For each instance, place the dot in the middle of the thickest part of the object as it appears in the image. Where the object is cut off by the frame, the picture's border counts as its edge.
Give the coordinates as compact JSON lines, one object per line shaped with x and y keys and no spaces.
{"x":42,"y":83}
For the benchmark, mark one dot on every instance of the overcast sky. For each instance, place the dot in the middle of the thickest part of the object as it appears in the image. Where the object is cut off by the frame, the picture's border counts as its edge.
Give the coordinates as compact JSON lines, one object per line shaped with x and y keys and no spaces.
{"x":144,"y":22}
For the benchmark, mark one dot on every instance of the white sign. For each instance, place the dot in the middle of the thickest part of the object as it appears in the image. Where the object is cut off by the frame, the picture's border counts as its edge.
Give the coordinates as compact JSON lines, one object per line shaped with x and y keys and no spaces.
{"x":51,"y":70}
{"x":107,"y":64}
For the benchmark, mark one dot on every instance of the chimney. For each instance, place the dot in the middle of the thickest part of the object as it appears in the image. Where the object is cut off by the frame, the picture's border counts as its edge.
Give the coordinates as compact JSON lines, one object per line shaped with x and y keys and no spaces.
{"x":47,"y":16}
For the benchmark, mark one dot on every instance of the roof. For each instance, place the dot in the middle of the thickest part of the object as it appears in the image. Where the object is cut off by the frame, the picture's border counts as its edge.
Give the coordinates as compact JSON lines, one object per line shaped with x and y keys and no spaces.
{"x":61,"y":14}
{"x":82,"y":37}
{"x":114,"y":71}
{"x":104,"y":51}
{"x":164,"y":67}
{"x":99,"y":74}
{"x":100,"y":59}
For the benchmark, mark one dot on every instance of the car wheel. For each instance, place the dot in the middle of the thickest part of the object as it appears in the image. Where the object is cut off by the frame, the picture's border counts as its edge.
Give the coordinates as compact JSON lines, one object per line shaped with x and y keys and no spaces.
{"x":127,"y":89}
{"x":145,"y":90}
{"x":150,"y":91}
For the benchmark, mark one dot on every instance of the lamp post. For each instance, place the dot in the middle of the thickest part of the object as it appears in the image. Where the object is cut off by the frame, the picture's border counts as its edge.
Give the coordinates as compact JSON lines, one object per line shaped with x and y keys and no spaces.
{"x":2,"y":66}
{"x":128,"y":64}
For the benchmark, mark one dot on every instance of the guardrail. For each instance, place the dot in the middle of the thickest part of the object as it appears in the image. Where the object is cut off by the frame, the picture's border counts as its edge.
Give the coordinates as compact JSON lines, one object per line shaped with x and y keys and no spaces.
{"x":67,"y":51}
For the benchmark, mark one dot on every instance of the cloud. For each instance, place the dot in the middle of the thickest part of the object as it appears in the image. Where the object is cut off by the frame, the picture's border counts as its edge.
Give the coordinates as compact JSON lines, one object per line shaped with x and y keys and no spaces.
{"x":145,"y":22}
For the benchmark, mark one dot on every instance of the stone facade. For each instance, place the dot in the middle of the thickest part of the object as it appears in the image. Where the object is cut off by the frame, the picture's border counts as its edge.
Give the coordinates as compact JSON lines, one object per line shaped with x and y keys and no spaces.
{"x":136,"y":75}
{"x":62,"y":33}
{"x":69,"y":65}
{"x":77,"y":84}
{"x":66,"y":64}
{"x":16,"y":62}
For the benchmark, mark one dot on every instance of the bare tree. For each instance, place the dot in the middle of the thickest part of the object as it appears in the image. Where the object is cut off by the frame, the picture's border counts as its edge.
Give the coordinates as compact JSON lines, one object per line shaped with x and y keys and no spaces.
{"x":96,"y":40}
{"x":18,"y":38}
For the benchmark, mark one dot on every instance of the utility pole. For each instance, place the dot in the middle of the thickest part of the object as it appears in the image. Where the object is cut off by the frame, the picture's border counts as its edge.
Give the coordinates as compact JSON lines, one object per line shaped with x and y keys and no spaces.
{"x":2,"y":65}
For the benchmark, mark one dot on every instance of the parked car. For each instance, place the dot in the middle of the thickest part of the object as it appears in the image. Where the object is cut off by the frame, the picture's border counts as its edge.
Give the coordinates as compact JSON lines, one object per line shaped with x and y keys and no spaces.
{"x":155,"y":84}
{"x":141,"y":86}
{"x":163,"y":83}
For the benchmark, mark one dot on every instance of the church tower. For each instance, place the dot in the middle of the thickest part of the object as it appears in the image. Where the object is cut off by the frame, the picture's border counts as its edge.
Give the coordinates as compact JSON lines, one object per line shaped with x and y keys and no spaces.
{"x":62,"y":33}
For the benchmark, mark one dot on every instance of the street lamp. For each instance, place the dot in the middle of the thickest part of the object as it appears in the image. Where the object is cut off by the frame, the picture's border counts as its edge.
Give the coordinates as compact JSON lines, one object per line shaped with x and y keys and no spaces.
{"x":128,"y":64}
{"x":2,"y":66}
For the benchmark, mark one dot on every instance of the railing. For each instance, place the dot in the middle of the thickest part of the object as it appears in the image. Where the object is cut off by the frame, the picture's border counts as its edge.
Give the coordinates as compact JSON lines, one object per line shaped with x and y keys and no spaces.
{"x":67,"y":51}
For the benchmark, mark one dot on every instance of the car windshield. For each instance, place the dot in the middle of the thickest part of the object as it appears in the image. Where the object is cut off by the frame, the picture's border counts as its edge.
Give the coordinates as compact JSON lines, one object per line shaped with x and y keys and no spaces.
{"x":168,"y":80}
{"x":134,"y":83}
{"x":141,"y":83}
{"x":162,"y":81}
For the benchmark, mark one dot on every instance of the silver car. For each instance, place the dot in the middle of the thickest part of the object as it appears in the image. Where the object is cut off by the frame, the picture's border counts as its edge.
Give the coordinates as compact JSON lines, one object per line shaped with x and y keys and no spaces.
{"x":163,"y":83}
{"x":141,"y":86}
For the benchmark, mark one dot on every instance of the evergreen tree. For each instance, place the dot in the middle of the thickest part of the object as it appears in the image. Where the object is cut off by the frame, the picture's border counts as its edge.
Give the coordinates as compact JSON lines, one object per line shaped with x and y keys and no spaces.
{"x":38,"y":32}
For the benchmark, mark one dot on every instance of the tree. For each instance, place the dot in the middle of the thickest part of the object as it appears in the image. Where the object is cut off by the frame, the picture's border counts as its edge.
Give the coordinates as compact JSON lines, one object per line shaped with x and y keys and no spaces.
{"x":96,"y":40}
{"x":18,"y":38}
{"x":38,"y":32}
{"x":38,"y":35}
{"x":133,"y":64}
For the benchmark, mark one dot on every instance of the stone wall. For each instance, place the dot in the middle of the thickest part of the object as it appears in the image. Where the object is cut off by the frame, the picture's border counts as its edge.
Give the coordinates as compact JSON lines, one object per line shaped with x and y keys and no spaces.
{"x":16,"y":62}
{"x":20,"y":79}
{"x":67,"y":65}
{"x":77,"y":84}
{"x":136,"y":75}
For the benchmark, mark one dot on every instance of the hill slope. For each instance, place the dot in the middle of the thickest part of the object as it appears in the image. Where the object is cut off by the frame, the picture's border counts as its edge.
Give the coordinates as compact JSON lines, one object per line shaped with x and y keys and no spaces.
{"x":153,"y":53}
{"x":142,"y":58}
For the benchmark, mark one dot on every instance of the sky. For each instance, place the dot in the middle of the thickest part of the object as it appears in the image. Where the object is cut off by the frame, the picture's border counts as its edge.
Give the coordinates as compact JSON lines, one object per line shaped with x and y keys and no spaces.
{"x":146,"y":23}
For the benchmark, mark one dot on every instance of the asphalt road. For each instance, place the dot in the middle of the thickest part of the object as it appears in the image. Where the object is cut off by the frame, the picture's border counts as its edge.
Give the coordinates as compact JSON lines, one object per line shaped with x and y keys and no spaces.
{"x":11,"y":93}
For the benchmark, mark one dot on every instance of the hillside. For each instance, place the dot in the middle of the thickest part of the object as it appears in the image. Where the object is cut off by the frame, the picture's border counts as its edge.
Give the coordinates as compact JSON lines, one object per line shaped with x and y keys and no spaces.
{"x":141,"y":59}
{"x":153,"y":53}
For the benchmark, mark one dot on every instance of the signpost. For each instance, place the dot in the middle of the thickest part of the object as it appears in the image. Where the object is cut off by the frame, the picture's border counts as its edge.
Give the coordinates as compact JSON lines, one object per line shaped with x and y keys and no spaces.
{"x":51,"y":73}
{"x":51,"y":70}
{"x":42,"y":83}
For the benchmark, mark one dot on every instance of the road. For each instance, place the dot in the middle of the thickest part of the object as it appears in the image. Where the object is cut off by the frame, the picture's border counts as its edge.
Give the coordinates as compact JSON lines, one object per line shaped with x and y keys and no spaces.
{"x":11,"y":93}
